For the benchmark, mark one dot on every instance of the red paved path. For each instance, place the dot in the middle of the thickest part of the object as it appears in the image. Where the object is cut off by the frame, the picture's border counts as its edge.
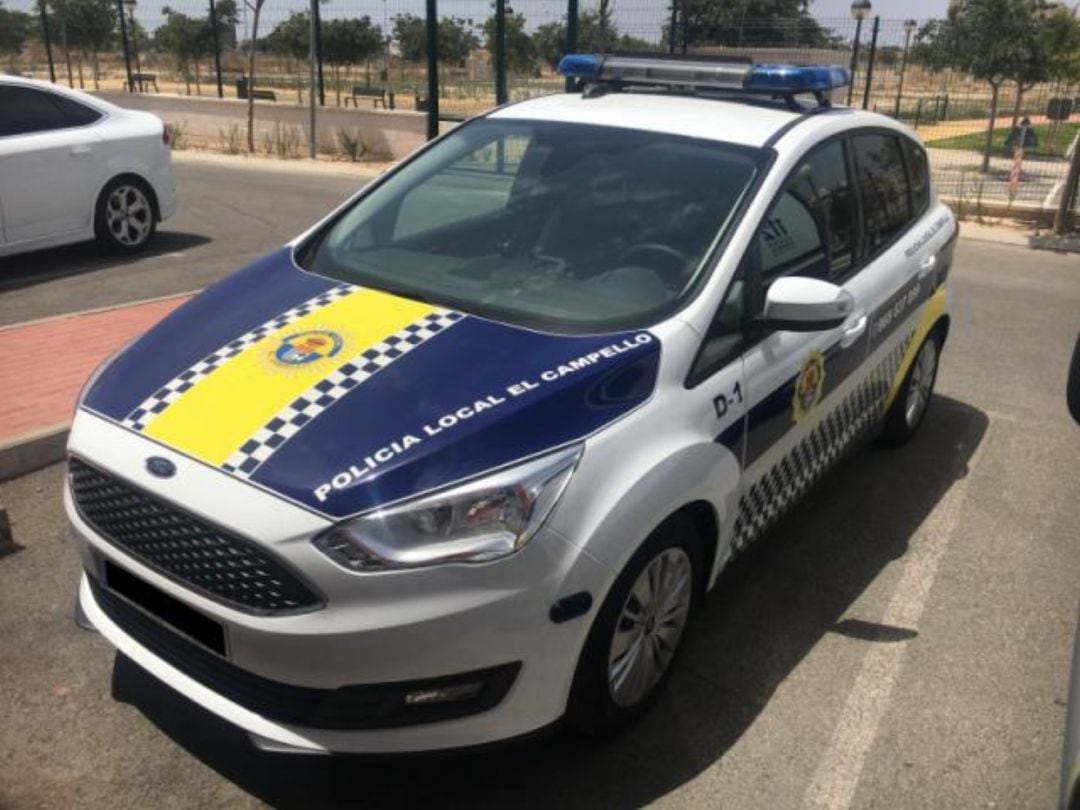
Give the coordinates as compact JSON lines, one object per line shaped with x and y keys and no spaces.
{"x":44,"y":364}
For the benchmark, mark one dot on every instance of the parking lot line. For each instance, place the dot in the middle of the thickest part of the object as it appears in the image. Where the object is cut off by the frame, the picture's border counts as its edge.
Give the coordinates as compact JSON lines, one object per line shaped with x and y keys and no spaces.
{"x":837,"y":776}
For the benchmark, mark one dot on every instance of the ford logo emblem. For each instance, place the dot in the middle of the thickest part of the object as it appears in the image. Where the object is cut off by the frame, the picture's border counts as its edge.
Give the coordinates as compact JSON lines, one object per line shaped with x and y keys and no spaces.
{"x":160,"y":467}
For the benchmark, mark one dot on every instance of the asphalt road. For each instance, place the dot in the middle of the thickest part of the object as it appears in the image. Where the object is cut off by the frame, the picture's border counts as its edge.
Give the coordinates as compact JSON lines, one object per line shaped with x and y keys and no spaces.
{"x":901,"y":640}
{"x":226,"y":218}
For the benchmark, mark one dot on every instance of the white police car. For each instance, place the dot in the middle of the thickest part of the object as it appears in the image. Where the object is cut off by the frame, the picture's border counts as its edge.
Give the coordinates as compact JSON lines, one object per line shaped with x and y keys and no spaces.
{"x":462,"y":459}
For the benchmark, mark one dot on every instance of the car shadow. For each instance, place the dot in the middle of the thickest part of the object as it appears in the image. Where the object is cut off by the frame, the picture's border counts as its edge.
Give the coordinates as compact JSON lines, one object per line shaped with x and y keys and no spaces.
{"x":28,"y":269}
{"x":769,"y":609}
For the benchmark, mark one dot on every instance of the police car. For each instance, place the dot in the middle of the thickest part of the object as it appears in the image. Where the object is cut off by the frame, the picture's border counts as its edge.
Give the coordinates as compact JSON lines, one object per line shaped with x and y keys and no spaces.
{"x":463,"y":459}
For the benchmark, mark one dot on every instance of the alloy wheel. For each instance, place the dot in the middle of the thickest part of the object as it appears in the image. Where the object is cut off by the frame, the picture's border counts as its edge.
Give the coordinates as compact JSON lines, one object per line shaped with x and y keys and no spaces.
{"x":921,"y":384}
{"x":128,"y":215}
{"x":650,"y":627}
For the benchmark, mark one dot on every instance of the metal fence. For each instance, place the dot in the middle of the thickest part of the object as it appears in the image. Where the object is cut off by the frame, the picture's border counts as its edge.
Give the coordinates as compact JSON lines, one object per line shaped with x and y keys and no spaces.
{"x":376,"y":54}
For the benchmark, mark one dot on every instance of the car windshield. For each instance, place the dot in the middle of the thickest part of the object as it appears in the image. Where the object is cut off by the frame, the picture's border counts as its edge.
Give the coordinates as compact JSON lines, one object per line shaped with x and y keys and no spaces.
{"x":546,"y":224}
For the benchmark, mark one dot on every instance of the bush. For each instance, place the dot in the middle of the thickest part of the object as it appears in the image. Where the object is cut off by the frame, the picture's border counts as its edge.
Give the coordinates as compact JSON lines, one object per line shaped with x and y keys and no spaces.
{"x":352,"y":146}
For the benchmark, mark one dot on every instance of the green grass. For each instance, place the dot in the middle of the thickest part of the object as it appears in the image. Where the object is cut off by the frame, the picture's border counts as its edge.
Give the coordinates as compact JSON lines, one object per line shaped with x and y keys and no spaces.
{"x":976,"y":141}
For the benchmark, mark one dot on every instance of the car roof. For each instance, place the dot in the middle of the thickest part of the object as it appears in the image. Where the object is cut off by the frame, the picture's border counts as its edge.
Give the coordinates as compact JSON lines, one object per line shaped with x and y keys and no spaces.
{"x":744,"y":123}
{"x":751,"y":122}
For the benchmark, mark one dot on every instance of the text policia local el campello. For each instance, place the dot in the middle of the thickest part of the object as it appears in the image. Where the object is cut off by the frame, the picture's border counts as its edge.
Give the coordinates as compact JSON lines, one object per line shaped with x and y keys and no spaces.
{"x":481,"y":404}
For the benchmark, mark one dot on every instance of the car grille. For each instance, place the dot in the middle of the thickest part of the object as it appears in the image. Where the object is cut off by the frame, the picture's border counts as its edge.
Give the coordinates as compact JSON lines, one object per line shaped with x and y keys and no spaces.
{"x":195,"y":554}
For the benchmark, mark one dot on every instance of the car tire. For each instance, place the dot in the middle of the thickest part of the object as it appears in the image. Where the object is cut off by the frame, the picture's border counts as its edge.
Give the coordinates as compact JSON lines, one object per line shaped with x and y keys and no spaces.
{"x":125,"y":217}
{"x":605,"y":697}
{"x":908,"y":410}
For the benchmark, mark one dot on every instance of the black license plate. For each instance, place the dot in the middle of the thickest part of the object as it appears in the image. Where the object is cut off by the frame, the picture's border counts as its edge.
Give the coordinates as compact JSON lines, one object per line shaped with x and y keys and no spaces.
{"x":172,"y":612}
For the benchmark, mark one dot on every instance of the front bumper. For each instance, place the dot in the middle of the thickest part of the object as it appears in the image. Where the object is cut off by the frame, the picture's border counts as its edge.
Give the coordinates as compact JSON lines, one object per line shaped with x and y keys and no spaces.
{"x":375,"y":630}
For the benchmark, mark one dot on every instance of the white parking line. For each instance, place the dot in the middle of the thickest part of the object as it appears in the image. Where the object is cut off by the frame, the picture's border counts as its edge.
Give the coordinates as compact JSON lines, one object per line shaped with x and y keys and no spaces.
{"x":837,"y":775}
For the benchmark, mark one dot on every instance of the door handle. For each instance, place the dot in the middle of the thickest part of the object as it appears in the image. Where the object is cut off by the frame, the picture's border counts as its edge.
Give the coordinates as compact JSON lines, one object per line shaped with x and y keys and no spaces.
{"x":854,"y":331}
{"x":80,"y":150}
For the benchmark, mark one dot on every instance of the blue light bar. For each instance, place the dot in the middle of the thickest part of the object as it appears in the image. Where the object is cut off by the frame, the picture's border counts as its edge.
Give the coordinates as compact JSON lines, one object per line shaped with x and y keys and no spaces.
{"x":580,"y":66}
{"x":704,"y":74}
{"x":797,"y":78}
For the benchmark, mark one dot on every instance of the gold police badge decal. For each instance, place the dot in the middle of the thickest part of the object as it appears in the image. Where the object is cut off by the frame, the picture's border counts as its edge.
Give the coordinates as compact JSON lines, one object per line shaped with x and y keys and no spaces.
{"x":808,"y":386}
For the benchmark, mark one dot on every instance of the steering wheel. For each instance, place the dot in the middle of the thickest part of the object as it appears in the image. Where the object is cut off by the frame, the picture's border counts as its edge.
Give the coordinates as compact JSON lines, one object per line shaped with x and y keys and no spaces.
{"x":672,"y":268}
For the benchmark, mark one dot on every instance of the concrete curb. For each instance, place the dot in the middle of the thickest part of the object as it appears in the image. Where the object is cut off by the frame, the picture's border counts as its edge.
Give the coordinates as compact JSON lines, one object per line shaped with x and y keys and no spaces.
{"x":32,"y":451}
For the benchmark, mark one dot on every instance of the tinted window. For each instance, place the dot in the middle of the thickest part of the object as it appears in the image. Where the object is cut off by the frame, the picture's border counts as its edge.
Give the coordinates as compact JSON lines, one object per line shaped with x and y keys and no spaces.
{"x":74,"y":113}
{"x":810,"y":230}
{"x":918,"y":174}
{"x":24,"y":110}
{"x":558,"y":225}
{"x":883,"y":184}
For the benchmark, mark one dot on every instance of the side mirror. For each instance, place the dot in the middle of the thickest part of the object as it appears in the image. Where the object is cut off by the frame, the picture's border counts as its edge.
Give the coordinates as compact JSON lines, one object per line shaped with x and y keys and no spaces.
{"x":798,"y":304}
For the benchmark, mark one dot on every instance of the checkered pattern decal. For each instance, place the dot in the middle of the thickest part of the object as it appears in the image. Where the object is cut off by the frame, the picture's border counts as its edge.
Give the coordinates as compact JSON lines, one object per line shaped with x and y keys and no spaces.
{"x":292,"y":418}
{"x":165,"y":396}
{"x":853,"y":419}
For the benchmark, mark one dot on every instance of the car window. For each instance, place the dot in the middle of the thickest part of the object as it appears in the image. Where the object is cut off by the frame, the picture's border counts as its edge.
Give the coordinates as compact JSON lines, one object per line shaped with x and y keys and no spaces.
{"x":883,"y":185}
{"x":74,"y":113}
{"x":572,"y":227}
{"x":725,"y":336}
{"x":810,"y":230}
{"x":24,"y":110}
{"x":918,"y":174}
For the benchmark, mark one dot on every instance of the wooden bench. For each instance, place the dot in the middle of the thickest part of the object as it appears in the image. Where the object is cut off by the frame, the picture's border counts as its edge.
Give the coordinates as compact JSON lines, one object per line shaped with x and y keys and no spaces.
{"x":263,"y":95}
{"x":378,"y":95}
{"x":143,"y":79}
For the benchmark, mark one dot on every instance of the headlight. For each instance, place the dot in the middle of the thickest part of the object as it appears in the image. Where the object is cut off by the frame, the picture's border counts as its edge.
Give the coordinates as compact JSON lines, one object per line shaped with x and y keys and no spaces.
{"x":476,"y":522}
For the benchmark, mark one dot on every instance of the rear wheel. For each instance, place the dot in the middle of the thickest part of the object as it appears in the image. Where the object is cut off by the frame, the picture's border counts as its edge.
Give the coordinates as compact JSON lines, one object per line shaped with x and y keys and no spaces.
{"x":124,"y":219}
{"x":909,"y":408}
{"x":638,"y":633}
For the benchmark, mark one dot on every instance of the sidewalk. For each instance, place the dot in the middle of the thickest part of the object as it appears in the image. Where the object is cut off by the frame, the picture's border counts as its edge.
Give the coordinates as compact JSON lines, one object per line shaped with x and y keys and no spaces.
{"x":43,"y":365}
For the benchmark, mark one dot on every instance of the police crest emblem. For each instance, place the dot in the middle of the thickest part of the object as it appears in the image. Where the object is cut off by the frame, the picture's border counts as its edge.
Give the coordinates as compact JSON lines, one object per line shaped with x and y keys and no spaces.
{"x":808,"y":386}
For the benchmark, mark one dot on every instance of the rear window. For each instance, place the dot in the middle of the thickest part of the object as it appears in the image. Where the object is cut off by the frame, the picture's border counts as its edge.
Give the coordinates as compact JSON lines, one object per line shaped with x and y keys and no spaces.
{"x":883,"y":184}
{"x":566,"y":226}
{"x":918,"y":174}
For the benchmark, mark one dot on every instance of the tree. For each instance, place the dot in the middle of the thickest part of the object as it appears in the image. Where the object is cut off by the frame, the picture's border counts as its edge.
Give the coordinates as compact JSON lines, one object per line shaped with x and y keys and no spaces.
{"x":751,"y":22}
{"x":350,"y":42}
{"x":291,"y":38}
{"x":185,"y":39}
{"x":91,"y":29}
{"x":520,"y":48}
{"x":228,"y":17}
{"x":15,"y":27}
{"x":58,"y":9}
{"x":996,"y":38}
{"x":594,"y":36}
{"x":456,"y":39}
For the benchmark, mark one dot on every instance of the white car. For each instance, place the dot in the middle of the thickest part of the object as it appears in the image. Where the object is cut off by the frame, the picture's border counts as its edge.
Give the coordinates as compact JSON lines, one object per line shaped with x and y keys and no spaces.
{"x":74,"y":167}
{"x":463,"y":459}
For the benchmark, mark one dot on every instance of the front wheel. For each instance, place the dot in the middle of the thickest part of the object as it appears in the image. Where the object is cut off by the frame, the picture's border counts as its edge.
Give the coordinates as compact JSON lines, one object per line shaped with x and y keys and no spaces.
{"x":124,"y":219}
{"x":909,"y":408}
{"x":638,"y":632}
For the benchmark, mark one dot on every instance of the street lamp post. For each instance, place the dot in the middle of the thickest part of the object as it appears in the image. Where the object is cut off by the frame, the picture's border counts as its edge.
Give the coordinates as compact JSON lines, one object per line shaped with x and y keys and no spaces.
{"x":909,"y":29}
{"x":130,"y":6}
{"x":860,"y":10}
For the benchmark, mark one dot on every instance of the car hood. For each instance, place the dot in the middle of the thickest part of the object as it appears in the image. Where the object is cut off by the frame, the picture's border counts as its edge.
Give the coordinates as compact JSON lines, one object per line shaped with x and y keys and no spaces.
{"x":343,"y":399}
